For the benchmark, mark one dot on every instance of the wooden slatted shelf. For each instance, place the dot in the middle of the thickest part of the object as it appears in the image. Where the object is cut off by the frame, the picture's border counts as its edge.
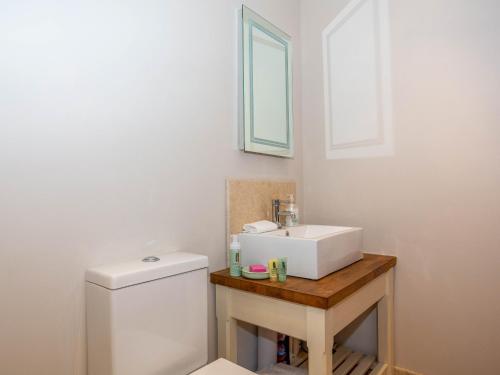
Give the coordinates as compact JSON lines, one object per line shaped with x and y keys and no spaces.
{"x":347,"y":362}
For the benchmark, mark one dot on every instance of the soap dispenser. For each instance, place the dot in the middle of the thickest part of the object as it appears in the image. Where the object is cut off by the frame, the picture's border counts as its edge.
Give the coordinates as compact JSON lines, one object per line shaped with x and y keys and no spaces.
{"x":234,"y":248}
{"x":292,"y":219}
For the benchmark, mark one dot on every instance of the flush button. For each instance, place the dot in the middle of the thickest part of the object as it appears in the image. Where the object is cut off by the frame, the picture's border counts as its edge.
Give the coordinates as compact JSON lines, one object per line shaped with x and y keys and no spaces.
{"x":151,"y":259}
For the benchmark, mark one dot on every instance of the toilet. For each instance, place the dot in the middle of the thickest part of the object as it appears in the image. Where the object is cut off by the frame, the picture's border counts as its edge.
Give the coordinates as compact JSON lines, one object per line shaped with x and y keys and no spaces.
{"x":149,"y":317}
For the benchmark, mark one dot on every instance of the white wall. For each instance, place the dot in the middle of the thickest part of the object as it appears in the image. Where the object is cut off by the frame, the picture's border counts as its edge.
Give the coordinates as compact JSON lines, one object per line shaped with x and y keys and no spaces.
{"x":117,"y":127}
{"x":117,"y":131}
{"x":436,"y":203}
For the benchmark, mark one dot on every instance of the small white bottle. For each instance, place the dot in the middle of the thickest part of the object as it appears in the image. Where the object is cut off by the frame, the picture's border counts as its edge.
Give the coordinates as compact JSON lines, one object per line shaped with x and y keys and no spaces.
{"x":293,"y":219}
{"x":235,"y":252}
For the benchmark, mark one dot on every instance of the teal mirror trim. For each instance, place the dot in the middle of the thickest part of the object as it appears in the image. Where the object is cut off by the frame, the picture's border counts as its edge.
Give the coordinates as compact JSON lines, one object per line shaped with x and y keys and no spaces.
{"x":253,"y":138}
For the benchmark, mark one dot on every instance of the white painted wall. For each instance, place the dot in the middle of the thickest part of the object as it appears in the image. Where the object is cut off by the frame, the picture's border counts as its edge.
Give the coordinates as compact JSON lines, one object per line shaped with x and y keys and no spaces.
{"x":117,"y":123}
{"x":436,"y":203}
{"x":117,"y":131}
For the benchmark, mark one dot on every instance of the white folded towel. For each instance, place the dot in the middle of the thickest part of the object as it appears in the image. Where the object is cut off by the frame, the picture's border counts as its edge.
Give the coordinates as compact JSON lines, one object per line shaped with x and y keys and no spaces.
{"x":260,"y":227}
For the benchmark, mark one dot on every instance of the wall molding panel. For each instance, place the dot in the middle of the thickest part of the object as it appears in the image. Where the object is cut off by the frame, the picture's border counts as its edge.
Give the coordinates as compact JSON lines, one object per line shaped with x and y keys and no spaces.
{"x":357,"y":91}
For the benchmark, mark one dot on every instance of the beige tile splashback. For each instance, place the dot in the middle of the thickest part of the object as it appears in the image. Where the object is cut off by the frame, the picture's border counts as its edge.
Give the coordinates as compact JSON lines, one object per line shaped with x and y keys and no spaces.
{"x":250,"y":200}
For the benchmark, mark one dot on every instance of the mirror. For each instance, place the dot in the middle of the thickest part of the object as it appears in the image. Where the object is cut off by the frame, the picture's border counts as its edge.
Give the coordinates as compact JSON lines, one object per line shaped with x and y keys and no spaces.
{"x":267,"y":119}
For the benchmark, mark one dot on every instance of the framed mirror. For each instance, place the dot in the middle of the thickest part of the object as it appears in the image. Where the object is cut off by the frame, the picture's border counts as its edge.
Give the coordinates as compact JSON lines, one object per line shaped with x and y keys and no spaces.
{"x":267,"y":119}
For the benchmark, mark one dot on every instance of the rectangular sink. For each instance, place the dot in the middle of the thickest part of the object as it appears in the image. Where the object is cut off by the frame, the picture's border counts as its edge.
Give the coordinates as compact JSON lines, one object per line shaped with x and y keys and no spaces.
{"x":313,"y":251}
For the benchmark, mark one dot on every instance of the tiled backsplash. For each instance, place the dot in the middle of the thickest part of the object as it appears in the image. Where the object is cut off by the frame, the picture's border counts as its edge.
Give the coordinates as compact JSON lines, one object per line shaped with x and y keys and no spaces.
{"x":250,"y":200}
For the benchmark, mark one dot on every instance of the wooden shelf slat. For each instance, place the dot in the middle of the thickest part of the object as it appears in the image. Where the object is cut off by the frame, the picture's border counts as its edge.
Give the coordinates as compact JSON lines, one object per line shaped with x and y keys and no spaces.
{"x":363,"y":365}
{"x":348,"y":364}
{"x":339,"y":356}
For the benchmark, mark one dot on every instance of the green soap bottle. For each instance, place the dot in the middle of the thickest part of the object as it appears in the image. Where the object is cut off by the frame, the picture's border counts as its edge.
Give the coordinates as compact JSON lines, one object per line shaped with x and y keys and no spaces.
{"x":282,"y":269}
{"x":235,"y":252}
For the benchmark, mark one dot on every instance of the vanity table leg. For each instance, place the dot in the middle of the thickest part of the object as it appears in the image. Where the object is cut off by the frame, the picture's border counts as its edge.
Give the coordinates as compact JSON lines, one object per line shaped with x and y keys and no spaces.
{"x":385,"y":312}
{"x":319,"y":341}
{"x":227,"y":326}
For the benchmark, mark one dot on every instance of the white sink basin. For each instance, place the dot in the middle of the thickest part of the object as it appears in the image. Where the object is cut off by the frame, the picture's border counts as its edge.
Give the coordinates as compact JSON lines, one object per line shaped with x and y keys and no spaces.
{"x":313,"y":251}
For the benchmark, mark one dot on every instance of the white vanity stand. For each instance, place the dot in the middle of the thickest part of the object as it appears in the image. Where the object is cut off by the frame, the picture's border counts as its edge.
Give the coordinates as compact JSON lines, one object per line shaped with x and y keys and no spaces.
{"x":310,"y":310}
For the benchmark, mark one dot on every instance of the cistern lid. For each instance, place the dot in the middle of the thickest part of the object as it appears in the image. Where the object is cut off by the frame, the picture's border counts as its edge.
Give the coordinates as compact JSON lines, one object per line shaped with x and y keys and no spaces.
{"x":145,"y":269}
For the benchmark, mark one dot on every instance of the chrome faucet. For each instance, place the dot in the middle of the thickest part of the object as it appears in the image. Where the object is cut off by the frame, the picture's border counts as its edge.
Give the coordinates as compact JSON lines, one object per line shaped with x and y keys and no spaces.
{"x":277,"y":213}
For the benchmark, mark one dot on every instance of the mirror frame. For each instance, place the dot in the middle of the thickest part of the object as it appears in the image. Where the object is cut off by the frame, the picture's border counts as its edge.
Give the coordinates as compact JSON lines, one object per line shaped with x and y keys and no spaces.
{"x":248,"y":141}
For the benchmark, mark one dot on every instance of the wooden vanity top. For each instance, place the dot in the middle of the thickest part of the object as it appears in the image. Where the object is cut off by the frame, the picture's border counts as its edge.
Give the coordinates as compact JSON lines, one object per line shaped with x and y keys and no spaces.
{"x":323,"y":293}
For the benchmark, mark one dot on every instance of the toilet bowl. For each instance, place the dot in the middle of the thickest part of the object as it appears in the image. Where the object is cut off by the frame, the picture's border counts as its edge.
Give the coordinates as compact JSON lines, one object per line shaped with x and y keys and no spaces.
{"x":149,"y":317}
